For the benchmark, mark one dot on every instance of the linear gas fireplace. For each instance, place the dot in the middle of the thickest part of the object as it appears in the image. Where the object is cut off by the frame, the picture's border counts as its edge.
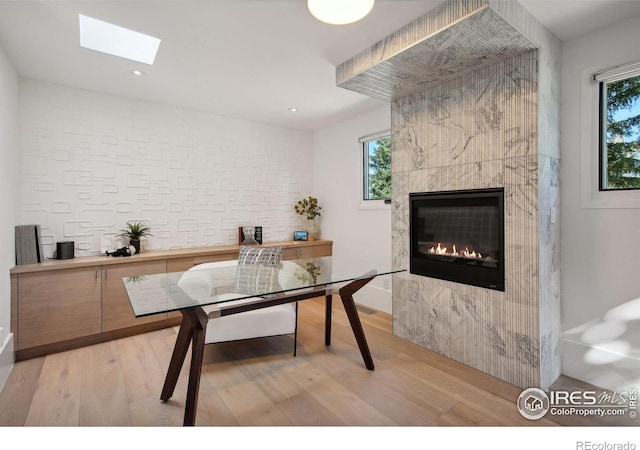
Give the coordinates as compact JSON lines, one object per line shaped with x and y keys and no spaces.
{"x":459,"y":236}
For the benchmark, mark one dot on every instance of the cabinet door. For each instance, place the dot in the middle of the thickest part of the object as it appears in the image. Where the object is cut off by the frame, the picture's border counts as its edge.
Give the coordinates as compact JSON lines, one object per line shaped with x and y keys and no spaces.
{"x":116,"y":307}
{"x":58,"y":305}
{"x":180,"y":264}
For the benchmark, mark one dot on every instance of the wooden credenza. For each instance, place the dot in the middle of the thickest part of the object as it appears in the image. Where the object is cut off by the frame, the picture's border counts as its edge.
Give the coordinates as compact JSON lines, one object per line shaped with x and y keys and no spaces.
{"x":58,"y":305}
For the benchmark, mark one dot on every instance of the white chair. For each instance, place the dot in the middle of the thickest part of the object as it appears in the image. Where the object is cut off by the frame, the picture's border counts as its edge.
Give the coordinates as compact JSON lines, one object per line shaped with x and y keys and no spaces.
{"x":272,"y":321}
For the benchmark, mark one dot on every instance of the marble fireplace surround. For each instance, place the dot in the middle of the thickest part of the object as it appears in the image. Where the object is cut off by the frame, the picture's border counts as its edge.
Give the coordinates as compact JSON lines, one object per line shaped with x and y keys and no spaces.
{"x":473,"y":87}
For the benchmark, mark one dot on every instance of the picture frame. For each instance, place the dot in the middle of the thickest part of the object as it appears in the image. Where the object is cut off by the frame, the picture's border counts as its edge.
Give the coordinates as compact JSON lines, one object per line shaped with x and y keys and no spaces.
{"x":300,"y":236}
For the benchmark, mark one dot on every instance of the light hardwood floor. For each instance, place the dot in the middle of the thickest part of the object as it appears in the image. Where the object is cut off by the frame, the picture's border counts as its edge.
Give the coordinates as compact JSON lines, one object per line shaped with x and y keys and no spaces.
{"x":260,"y":383}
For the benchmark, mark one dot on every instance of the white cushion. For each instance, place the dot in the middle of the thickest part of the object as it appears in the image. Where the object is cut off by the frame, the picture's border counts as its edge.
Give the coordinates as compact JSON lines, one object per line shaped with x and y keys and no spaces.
{"x":292,"y":276}
{"x":200,"y":284}
{"x":271,"y":321}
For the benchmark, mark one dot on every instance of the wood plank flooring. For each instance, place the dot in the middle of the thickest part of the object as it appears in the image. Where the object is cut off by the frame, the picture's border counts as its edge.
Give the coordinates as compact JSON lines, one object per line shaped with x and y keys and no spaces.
{"x":260,"y":383}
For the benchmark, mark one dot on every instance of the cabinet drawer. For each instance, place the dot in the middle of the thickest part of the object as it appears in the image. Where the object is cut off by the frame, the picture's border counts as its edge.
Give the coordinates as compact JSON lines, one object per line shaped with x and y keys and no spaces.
{"x":312,"y":251}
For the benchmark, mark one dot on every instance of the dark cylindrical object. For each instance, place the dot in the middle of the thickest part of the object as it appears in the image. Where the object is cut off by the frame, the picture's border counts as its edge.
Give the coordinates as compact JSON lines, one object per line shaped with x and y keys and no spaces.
{"x":64,"y":250}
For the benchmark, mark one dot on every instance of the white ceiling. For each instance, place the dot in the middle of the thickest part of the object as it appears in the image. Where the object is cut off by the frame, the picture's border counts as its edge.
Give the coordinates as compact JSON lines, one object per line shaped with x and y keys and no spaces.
{"x":250,"y":59}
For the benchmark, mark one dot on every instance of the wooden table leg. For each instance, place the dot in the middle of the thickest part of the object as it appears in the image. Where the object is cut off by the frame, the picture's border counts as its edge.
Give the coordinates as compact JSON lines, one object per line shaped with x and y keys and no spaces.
{"x":327,"y":318}
{"x":346,"y":295}
{"x":199,"y":319}
{"x":183,"y":340}
{"x":192,"y":331}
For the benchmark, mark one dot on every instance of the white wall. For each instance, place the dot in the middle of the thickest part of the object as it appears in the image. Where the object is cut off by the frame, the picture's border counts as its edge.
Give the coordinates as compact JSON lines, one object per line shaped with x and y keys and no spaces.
{"x":92,"y":162}
{"x":361,"y":237}
{"x":9,"y":187}
{"x":600,"y":232}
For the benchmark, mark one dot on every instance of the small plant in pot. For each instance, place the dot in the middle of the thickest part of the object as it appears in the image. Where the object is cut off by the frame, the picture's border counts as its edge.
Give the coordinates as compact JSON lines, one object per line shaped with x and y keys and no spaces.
{"x":135,"y":231}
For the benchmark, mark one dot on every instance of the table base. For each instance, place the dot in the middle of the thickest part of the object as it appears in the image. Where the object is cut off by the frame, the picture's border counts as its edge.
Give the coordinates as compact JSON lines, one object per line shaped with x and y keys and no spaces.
{"x":194,"y":324}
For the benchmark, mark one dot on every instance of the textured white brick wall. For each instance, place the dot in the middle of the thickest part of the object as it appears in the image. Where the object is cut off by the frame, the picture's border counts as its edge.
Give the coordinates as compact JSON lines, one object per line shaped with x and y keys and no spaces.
{"x":91,"y":162}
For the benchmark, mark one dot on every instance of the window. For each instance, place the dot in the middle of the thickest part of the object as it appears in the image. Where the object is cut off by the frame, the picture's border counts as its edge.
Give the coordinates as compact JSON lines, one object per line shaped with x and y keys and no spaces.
{"x":620,"y":127}
{"x":376,"y":152}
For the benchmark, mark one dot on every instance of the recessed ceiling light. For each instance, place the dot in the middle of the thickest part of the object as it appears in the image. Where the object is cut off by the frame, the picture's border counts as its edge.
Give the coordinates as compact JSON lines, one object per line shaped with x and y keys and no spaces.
{"x":138,"y":73}
{"x":293,"y":109}
{"x":114,"y":40}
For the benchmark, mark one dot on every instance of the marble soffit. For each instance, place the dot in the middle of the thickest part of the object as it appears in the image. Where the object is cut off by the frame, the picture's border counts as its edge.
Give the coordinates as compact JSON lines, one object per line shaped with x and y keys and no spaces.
{"x":477,"y":39}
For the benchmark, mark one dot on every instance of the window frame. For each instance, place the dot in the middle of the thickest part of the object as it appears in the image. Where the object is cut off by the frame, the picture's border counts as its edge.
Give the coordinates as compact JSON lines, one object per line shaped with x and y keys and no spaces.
{"x":617,"y":73}
{"x":369,"y":203}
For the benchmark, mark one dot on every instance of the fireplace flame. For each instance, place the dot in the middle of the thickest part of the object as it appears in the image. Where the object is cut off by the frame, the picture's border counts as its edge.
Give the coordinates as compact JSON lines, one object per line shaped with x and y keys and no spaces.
{"x":440,"y":250}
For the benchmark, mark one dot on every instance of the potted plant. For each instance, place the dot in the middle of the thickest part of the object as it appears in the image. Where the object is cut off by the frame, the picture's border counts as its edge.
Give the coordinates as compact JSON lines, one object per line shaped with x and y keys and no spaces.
{"x":309,"y":208}
{"x":134,"y":231}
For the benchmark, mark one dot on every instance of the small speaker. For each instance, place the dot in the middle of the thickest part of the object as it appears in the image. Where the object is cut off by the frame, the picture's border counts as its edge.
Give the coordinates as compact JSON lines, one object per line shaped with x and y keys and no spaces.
{"x":64,"y":250}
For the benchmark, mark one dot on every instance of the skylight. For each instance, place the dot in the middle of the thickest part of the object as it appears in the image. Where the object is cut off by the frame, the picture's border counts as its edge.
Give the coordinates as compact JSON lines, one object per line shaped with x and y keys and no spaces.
{"x":118,"y":41}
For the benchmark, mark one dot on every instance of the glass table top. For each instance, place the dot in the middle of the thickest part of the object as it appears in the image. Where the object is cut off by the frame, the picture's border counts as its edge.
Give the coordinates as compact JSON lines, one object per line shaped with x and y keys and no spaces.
{"x":226,"y":283}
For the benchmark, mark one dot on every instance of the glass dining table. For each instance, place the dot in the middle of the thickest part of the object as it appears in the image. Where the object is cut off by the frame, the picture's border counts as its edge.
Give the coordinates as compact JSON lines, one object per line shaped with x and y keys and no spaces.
{"x":207,"y":293}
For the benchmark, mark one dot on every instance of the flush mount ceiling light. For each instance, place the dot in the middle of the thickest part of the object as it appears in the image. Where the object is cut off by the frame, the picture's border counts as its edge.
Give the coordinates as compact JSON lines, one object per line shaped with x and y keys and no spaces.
{"x":118,"y":41}
{"x":339,"y":12}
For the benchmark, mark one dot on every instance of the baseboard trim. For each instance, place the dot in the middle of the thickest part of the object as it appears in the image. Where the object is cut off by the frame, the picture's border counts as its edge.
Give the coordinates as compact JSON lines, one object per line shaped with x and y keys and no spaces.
{"x":374,"y":297}
{"x":55,"y":347}
{"x":600,"y":366}
{"x":7,"y":359}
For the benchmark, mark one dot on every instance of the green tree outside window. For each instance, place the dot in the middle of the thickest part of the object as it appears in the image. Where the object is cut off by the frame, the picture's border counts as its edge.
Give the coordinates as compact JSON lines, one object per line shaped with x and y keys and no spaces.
{"x":621,"y":134}
{"x":377,"y":169}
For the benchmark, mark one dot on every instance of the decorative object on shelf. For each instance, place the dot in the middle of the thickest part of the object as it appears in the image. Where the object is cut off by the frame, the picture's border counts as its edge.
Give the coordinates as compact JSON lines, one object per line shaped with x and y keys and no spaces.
{"x":65,"y":250}
{"x":339,"y":12}
{"x":124,"y":251}
{"x":300,"y":235}
{"x":135,"y":231}
{"x":313,"y":229}
{"x":310,"y":209}
{"x":29,"y":247}
{"x":248,"y":237}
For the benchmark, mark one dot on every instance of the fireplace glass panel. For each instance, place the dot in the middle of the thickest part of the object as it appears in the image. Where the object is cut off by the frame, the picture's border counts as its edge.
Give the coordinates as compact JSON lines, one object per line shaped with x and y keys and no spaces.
{"x":458,"y":236}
